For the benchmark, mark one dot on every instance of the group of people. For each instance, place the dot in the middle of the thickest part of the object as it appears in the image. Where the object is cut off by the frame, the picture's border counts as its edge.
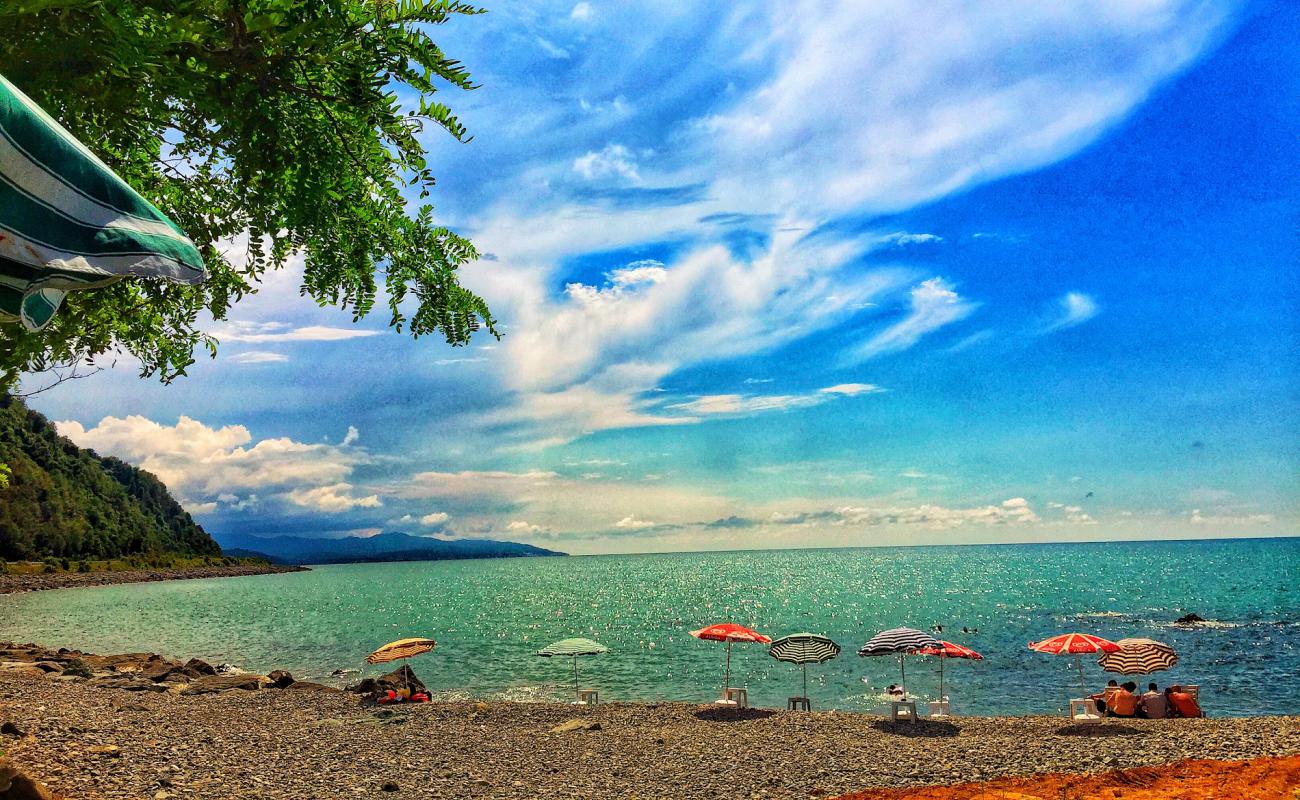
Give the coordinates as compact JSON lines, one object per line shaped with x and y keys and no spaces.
{"x":1123,"y":700}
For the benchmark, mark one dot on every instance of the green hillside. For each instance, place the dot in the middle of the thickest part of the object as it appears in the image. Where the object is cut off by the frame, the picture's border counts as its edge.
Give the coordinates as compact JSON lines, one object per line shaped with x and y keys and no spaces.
{"x":69,"y":503}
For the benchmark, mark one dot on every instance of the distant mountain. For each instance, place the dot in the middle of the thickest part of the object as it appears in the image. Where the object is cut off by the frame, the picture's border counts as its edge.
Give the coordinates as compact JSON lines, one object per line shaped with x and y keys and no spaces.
{"x":393,"y":546}
{"x":67,"y":502}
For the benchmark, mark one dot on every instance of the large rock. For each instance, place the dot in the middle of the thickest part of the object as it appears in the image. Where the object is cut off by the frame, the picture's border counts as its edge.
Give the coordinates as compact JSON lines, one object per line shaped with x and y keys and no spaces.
{"x":15,"y":785}
{"x":200,"y":667}
{"x":1189,"y":619}
{"x":210,"y":684}
{"x":397,"y":679}
{"x":280,"y":678}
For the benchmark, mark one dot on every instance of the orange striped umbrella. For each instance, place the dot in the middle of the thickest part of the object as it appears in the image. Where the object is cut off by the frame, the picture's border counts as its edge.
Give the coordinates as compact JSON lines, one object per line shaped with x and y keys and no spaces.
{"x":402,"y":648}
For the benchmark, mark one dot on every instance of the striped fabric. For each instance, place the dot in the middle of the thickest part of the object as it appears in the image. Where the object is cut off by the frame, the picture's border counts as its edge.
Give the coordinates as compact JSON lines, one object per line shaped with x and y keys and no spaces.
{"x":803,"y":648}
{"x":1073,"y":644}
{"x":402,"y":648}
{"x":68,"y":222}
{"x":1139,"y":657}
{"x":573,"y":647}
{"x":898,"y":641}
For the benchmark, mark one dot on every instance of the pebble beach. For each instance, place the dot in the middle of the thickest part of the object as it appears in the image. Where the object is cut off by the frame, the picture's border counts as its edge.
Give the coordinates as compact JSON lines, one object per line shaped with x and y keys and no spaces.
{"x":139,"y":728}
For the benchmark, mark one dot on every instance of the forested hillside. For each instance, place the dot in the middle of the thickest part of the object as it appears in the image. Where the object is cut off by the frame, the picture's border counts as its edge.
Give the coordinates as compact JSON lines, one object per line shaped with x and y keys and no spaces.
{"x":66,"y":502}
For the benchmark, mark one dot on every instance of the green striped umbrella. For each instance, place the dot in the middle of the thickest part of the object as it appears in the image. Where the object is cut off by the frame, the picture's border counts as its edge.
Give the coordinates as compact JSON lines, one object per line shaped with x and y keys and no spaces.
{"x":68,"y":222}
{"x":573,"y":648}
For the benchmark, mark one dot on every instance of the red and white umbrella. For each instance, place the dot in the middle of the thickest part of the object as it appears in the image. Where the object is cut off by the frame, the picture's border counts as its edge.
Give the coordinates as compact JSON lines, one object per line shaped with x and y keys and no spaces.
{"x":1077,"y":645}
{"x":730,"y":632}
{"x":945,"y":651}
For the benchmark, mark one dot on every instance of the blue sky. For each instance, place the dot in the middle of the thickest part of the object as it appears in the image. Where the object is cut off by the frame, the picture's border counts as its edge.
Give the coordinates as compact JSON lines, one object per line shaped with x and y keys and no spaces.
{"x":854,"y":274}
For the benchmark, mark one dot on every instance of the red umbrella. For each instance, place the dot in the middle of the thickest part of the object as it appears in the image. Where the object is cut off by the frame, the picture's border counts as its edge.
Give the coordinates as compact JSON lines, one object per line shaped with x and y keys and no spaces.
{"x":730,"y":632}
{"x":1077,"y":645}
{"x":947,"y":650}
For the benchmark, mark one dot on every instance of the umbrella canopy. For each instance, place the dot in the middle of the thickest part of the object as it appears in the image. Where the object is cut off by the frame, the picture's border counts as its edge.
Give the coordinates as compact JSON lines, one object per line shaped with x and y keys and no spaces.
{"x":402,"y":648}
{"x":730,"y":632}
{"x":945,"y":651}
{"x":803,"y":649}
{"x":68,"y":222}
{"x":573,"y":648}
{"x":1077,"y":645}
{"x":1139,"y":657}
{"x":901,"y":642}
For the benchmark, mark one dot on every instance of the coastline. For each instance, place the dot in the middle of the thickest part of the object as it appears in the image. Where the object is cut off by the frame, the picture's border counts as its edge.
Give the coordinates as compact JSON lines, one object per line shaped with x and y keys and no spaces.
{"x":138,"y":728}
{"x":14,"y":584}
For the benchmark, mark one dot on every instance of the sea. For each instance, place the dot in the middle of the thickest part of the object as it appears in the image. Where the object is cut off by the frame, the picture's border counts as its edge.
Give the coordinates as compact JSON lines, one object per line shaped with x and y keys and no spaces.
{"x":490,"y":617}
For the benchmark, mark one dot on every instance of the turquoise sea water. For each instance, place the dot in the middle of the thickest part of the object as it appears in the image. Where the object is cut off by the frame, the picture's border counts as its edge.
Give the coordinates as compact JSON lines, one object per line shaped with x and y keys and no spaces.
{"x":490,"y":616}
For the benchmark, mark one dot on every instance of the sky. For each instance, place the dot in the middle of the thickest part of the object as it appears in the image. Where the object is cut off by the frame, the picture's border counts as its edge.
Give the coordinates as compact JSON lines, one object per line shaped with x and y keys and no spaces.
{"x":821,"y":274}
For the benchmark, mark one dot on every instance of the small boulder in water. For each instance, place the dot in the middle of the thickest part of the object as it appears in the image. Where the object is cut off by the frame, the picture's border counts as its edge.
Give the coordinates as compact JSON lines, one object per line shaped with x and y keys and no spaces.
{"x":1189,"y":619}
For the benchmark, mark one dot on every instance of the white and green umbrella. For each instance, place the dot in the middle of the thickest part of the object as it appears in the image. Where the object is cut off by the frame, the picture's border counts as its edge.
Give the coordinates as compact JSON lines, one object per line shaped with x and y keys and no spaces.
{"x":804,"y":649}
{"x":573,"y":648}
{"x":68,"y":222}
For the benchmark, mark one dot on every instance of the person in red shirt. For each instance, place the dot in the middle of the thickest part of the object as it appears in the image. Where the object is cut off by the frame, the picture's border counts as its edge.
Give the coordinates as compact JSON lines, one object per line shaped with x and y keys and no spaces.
{"x":1182,"y":703}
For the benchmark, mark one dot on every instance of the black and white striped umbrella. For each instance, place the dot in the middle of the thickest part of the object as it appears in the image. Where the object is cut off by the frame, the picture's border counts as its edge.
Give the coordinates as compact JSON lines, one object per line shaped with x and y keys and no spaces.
{"x":803,"y":649}
{"x":899,"y":642}
{"x":1139,"y":657}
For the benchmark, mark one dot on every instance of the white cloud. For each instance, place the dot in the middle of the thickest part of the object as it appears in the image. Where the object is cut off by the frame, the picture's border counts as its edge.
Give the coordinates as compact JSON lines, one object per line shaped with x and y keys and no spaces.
{"x":581,"y":12}
{"x":332,"y":499}
{"x":285,"y":332}
{"x":934,"y":304}
{"x":435,"y":518}
{"x":203,"y":464}
{"x":615,"y":161}
{"x":519,"y":527}
{"x":631,"y":522}
{"x":902,"y":238}
{"x":351,"y":436}
{"x":1076,"y":308}
{"x":552,"y":50}
{"x":852,"y":389}
{"x":256,"y":357}
{"x":1225,"y":520}
{"x":639,"y":272}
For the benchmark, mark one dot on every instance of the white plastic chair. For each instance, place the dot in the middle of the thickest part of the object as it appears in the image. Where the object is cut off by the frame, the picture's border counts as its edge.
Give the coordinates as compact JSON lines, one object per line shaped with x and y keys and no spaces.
{"x":940,"y":709}
{"x":1084,"y":711}
{"x":902,"y":709}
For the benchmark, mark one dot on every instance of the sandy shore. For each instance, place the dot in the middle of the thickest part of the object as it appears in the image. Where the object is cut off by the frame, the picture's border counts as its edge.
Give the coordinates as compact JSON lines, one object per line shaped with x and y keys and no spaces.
{"x":92,"y":741}
{"x":10,"y":584}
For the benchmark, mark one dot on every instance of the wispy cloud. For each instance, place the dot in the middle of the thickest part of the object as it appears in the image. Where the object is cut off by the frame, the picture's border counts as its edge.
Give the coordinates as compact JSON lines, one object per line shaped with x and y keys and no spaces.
{"x":285,"y":332}
{"x":934,"y":304}
{"x":1075,"y":308}
{"x":257,"y":357}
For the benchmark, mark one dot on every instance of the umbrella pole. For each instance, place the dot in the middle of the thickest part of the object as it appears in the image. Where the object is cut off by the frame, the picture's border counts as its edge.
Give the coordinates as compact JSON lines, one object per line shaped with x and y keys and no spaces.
{"x":1078,"y":662}
{"x":805,"y":681}
{"x":726,"y":677}
{"x":941,"y":660}
{"x":902,"y":668}
{"x":575,"y":676}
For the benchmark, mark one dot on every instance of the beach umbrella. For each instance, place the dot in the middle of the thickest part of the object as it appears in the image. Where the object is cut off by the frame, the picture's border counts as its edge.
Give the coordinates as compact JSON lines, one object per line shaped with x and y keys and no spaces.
{"x":901,"y":642}
{"x":68,"y":222}
{"x":945,"y":651}
{"x":1139,"y":657}
{"x":1077,"y":645}
{"x":803,"y":649}
{"x":573,"y":648}
{"x":730,"y":633}
{"x":402,"y":648}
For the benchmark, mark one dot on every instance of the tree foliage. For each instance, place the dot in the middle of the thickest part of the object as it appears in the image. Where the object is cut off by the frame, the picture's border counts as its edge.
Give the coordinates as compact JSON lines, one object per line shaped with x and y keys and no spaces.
{"x":292,"y":125}
{"x":66,"y":502}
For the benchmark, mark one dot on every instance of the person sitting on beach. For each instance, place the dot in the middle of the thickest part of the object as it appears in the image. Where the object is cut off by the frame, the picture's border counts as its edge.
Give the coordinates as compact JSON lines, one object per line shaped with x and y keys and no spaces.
{"x":1100,"y":699}
{"x":1182,"y":703}
{"x":1122,"y":702}
{"x":895,"y":692}
{"x":1153,"y":704}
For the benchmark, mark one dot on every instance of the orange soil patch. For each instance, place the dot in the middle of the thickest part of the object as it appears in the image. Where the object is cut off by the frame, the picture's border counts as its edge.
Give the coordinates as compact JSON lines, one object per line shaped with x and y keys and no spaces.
{"x":1258,"y":779}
